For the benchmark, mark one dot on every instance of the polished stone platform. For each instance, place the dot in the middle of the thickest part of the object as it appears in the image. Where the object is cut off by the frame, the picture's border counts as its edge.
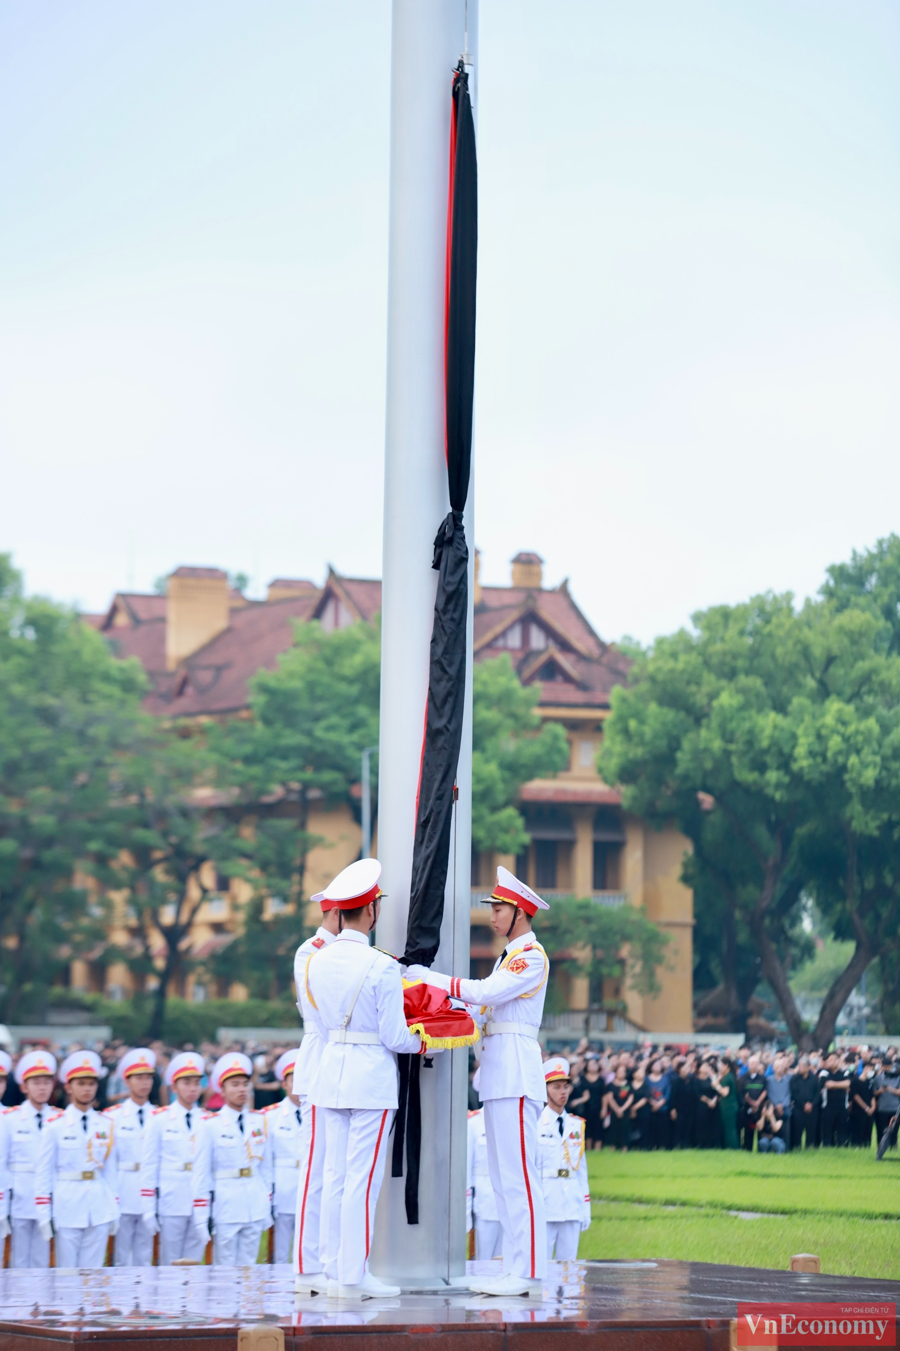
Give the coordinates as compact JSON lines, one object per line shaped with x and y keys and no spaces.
{"x":588,"y":1306}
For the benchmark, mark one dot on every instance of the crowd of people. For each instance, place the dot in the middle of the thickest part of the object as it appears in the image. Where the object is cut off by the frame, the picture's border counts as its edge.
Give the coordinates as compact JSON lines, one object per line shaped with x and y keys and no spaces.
{"x":659,"y":1097}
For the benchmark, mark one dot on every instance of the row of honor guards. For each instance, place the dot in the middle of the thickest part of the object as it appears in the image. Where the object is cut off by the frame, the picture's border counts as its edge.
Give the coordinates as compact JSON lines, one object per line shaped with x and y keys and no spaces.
{"x":311,"y":1166}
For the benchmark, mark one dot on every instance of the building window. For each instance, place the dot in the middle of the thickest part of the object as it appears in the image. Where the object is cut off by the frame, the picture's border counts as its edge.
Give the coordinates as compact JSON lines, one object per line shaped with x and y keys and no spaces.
{"x":217,"y":907}
{"x":545,"y":852}
{"x":585,"y":753}
{"x":511,"y":638}
{"x":606,"y":866}
{"x":277,"y":905}
{"x":522,"y":866}
{"x":537,"y":638}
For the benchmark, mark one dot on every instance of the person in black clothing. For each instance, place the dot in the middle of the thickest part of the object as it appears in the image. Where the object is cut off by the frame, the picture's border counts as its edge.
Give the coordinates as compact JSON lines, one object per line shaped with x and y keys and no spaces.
{"x":805,"y":1098}
{"x":707,"y":1128}
{"x":657,"y":1087}
{"x":753,"y":1096}
{"x":681,"y":1104}
{"x":862,"y":1109}
{"x":639,"y":1109}
{"x":617,"y":1106}
{"x":836,"y":1083}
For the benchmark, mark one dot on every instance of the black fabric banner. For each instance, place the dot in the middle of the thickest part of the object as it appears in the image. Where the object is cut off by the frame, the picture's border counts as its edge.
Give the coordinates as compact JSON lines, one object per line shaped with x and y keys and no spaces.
{"x":447,"y":671}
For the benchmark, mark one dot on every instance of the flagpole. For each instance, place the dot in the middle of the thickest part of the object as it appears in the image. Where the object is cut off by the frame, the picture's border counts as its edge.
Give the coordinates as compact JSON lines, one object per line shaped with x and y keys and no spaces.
{"x":427,"y":41}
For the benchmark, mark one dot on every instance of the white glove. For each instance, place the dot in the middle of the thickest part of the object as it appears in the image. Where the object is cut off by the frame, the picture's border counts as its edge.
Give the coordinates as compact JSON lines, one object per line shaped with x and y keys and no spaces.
{"x":421,"y":973}
{"x":151,"y":1222}
{"x":45,"y":1228}
{"x":5,"y":1228}
{"x":114,"y":1227}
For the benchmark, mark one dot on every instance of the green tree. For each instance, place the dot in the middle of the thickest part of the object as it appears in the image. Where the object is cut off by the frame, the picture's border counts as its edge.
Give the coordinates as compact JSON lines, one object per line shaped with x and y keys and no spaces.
{"x":603,"y":942}
{"x":510,"y":746}
{"x":66,"y":712}
{"x":755,"y":733}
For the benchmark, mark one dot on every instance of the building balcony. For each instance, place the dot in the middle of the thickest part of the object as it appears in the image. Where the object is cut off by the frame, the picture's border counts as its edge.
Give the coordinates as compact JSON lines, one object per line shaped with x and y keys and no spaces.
{"x":610,"y":898}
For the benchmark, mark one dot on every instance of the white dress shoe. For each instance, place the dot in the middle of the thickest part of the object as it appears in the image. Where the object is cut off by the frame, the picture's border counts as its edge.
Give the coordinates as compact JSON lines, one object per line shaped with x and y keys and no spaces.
{"x":506,"y":1285}
{"x":334,"y":1290}
{"x":313,"y":1284}
{"x":373,"y":1286}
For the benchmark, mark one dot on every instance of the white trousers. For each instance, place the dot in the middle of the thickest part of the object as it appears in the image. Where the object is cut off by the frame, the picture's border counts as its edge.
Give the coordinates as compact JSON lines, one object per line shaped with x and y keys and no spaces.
{"x":179,"y":1236}
{"x":355,"y":1152}
{"x":563,"y":1235}
{"x":134,"y":1243}
{"x":488,"y":1239}
{"x":306,"y":1253}
{"x":237,"y":1245}
{"x":27,"y":1248}
{"x":283,"y":1244}
{"x":85,"y":1248}
{"x":511,"y":1131}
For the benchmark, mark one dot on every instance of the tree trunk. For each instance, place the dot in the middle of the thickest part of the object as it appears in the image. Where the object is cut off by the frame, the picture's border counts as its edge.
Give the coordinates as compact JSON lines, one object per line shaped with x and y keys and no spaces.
{"x":158,"y":1014}
{"x":837,"y":996}
{"x":735,"y":1007}
{"x":773,"y":969}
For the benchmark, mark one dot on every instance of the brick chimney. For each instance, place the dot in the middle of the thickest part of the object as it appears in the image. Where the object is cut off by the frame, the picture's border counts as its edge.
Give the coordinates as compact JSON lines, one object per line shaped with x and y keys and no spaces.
{"x":289,"y":588}
{"x":528,"y":571}
{"x":198,"y":608}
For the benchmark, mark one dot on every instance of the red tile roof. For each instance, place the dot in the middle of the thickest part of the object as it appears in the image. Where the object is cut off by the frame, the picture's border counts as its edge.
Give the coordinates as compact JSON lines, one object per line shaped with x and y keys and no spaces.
{"x":570,"y":791}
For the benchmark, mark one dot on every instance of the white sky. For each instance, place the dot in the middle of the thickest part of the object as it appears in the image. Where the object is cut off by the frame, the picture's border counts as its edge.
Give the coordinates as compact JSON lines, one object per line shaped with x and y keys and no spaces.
{"x":689,"y":325}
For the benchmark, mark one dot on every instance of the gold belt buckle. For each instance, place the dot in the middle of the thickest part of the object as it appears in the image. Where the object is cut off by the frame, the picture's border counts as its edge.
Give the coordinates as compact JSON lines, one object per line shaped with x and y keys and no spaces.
{"x":245,"y":1172}
{"x":87,"y":1175}
{"x":562,"y":1172}
{"x":188,"y":1167}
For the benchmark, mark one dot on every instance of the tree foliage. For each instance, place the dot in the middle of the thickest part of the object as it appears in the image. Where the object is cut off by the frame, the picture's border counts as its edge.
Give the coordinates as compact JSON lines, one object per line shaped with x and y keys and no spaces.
{"x":510,"y":746}
{"x":603,"y":942}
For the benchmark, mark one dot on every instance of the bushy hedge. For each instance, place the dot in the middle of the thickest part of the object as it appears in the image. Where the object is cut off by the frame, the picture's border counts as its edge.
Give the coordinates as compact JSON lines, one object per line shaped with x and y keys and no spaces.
{"x":184,"y":1020}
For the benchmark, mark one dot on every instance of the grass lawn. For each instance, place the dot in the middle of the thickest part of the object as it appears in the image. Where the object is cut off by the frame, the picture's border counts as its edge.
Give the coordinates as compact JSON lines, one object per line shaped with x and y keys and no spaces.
{"x":838,"y":1203}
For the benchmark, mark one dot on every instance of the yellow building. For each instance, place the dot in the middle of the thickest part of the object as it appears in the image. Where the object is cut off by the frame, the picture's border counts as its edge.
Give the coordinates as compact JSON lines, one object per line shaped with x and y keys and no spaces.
{"x":201,"y":643}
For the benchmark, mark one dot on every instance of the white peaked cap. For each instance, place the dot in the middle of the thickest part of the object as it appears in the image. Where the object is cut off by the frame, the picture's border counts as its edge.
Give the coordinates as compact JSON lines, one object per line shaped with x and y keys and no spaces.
{"x":228,"y":1066}
{"x":557,"y":1067}
{"x":353,"y":887}
{"x":5,"y":1064}
{"x":285,"y":1064}
{"x":139,"y":1060}
{"x":184,"y":1064}
{"x":81,"y":1065}
{"x":35,"y":1062}
{"x":514,"y":892}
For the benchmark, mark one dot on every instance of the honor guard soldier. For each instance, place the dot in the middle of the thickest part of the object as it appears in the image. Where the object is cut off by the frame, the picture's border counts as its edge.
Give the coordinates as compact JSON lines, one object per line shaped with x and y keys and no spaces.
{"x":134,"y":1241}
{"x":77,"y":1175}
{"x":175,"y":1166}
{"x":356,"y":997}
{"x":284,"y":1122}
{"x":567,"y":1200}
{"x":5,"y":1067}
{"x":512,"y":1087}
{"x":481,"y":1206}
{"x":240,"y":1166}
{"x":308,"y":1277}
{"x":21,"y":1130}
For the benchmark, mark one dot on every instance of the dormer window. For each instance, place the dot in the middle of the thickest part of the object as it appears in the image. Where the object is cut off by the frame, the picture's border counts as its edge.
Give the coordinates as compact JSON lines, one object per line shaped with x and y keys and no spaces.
{"x":535,"y":637}
{"x":510,"y":638}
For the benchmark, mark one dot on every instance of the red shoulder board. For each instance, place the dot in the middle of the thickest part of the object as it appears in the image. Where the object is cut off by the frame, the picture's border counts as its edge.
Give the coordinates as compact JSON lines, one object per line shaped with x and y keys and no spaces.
{"x":7,"y":1110}
{"x":114,"y":1108}
{"x":157,"y":1110}
{"x":208,"y":1116}
{"x":476,"y":1112}
{"x":528,"y":947}
{"x":55,"y":1117}
{"x":318,"y":943}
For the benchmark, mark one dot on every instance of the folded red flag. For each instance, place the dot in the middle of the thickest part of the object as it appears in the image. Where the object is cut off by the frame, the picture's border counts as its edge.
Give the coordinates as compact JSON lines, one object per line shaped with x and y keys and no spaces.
{"x":429,"y":1012}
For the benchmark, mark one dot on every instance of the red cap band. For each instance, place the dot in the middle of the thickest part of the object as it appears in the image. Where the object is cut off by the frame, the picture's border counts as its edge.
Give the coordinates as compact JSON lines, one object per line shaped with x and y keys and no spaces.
{"x":513,"y":898}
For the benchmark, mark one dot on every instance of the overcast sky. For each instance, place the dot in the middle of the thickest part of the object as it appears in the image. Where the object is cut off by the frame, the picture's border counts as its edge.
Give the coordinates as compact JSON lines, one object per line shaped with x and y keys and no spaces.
{"x":689,"y":292}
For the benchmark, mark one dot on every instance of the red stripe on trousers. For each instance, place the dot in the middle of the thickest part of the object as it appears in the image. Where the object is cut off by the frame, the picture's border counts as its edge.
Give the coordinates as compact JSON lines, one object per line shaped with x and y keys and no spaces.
{"x":525,"y":1171}
{"x":312,"y":1145}
{"x":371,"y":1175}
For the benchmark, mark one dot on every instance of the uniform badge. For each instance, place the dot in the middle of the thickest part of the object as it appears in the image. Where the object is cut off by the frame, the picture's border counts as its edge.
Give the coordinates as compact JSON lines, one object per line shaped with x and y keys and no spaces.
{"x":517,"y":965}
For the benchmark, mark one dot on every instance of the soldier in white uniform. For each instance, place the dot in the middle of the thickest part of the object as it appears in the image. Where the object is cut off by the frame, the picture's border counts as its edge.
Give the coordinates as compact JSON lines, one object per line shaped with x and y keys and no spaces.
{"x":512,"y":1088}
{"x":21,"y":1130}
{"x":5,"y":1067}
{"x":175,"y":1166}
{"x":240,"y":1166}
{"x":77,"y":1174}
{"x":284,"y":1122}
{"x":356,"y":998}
{"x":308,"y":1275}
{"x":134,"y":1241}
{"x":481,"y":1205}
{"x":567,"y":1198}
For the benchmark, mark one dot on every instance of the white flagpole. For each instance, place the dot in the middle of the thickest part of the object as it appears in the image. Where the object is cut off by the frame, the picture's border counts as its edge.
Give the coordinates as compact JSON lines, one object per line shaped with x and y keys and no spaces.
{"x":427,"y":41}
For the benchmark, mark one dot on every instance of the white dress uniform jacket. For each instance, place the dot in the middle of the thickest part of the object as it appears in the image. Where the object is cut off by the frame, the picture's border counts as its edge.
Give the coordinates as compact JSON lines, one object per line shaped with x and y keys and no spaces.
{"x":240,"y":1166}
{"x":175,"y":1160}
{"x":352,"y":1074}
{"x":511,"y":996}
{"x":283,"y":1121}
{"x":20,"y":1142}
{"x":129,"y":1130}
{"x":564,"y":1168}
{"x":310,"y":1052}
{"x":77,"y":1178}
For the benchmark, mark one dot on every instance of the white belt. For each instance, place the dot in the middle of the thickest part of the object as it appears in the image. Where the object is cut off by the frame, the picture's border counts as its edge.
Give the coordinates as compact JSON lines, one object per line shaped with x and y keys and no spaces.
{"x":177,"y":1167}
{"x":234,"y":1172}
{"x":129,"y":1167}
{"x":289,"y":1163}
{"x":79,"y":1175}
{"x":20,"y":1168}
{"x":522,"y":1029}
{"x":354,"y":1038}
